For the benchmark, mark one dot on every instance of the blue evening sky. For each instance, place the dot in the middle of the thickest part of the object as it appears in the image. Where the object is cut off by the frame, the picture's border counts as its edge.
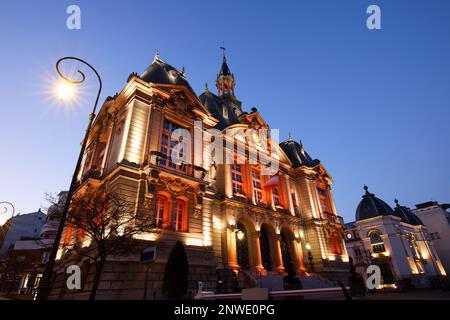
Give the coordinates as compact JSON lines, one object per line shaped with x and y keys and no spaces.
{"x":373,"y":106}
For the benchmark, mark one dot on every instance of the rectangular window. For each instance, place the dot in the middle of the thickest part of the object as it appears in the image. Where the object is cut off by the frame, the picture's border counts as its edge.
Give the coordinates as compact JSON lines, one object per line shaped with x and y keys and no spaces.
{"x":179,"y":221}
{"x":68,"y":236}
{"x":161,"y":207}
{"x":236,"y":178}
{"x":324,"y":200}
{"x":276,"y":197}
{"x":257,"y":187}
{"x":167,"y":145}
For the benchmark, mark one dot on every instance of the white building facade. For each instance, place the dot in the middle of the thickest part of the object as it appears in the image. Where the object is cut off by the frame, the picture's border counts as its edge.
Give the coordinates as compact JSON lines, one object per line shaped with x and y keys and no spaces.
{"x":394,"y":239}
{"x":437,"y":219}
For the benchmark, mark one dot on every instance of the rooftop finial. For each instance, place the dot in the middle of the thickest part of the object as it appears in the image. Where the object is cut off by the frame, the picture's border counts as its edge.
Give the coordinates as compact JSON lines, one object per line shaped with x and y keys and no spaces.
{"x":206,"y":87}
{"x":366,"y":188}
{"x":157,"y":55}
{"x":183,"y":71}
{"x":289,"y":136}
{"x":396,"y":202}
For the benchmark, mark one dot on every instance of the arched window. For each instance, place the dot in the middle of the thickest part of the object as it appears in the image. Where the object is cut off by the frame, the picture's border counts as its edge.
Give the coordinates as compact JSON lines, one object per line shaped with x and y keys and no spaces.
{"x":376,"y":241}
{"x":180,"y":218}
{"x":171,"y":215}
{"x":162,"y":209}
{"x":335,"y":244}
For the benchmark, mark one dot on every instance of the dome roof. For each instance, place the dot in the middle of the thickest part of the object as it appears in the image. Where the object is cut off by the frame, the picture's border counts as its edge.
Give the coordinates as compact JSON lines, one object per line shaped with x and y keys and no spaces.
{"x":162,"y":72}
{"x":406,"y":214}
{"x":297,"y":154}
{"x":371,"y":206}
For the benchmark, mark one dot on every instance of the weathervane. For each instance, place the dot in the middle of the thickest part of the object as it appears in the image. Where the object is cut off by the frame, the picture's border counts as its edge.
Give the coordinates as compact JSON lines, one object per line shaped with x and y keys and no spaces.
{"x":223,"y":49}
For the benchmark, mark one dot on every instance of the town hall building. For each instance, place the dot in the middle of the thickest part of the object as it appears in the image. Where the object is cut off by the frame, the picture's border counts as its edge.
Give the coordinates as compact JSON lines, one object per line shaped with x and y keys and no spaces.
{"x":235,"y":220}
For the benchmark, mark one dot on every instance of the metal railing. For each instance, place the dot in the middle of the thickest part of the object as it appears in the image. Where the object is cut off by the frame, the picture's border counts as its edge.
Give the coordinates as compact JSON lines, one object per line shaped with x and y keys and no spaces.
{"x":275,"y":294}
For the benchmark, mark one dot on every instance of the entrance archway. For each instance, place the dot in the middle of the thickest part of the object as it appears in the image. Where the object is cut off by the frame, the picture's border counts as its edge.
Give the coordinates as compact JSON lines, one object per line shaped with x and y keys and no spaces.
{"x":264,"y":243}
{"x":242,"y":246}
{"x":286,"y":250}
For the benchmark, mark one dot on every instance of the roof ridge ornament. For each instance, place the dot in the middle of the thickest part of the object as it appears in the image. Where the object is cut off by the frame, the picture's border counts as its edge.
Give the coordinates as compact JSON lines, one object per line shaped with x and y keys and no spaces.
{"x":396,"y":202}
{"x":156,"y":56}
{"x":206,"y":87}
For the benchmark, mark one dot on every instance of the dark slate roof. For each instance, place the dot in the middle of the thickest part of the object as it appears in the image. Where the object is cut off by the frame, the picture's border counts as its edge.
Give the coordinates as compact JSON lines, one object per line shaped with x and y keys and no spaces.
{"x":224,"y":70}
{"x":371,"y":206}
{"x":215,"y":105}
{"x":162,"y":72}
{"x":406,"y":214}
{"x":297,"y":154}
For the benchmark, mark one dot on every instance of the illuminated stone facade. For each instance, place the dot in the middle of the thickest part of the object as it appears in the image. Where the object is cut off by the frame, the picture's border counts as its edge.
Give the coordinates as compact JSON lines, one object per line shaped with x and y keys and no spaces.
{"x":227,"y":217}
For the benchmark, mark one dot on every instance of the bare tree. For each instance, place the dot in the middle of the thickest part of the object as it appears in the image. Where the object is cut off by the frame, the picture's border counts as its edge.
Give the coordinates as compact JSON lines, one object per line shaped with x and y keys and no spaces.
{"x":107,"y":222}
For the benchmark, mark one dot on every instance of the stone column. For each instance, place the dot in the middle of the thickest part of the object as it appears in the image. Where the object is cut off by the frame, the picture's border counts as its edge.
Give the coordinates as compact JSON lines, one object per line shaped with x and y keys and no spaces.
{"x":277,"y":259}
{"x":299,"y":264}
{"x":231,"y":245}
{"x":255,"y":251}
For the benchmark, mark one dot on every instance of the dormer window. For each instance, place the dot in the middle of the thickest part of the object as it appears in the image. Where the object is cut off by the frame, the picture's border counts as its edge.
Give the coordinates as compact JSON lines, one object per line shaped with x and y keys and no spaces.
{"x":225,"y":111}
{"x":376,"y":242}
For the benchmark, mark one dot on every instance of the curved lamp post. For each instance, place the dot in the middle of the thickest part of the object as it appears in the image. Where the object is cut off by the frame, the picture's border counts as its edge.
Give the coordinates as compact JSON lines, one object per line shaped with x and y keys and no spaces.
{"x":44,"y":287}
{"x":4,"y":205}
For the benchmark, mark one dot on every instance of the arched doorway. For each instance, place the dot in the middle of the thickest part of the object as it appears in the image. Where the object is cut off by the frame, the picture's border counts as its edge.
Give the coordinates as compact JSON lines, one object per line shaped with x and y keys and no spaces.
{"x":242,"y":246}
{"x":285,"y":246}
{"x":264,"y":243}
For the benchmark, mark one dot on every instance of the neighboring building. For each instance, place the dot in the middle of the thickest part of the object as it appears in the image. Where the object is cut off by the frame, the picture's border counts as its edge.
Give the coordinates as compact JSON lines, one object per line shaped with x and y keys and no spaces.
{"x":24,"y":225}
{"x":437,"y":219}
{"x":231,"y":217}
{"x":394,"y":239}
{"x":28,"y":255}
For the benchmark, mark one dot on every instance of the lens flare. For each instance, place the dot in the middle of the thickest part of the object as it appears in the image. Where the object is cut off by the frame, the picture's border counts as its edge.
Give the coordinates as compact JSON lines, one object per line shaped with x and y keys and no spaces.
{"x":64,"y":91}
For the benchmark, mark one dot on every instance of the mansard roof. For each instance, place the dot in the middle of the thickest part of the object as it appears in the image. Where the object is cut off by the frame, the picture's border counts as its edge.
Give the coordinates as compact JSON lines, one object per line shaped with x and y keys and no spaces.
{"x":162,"y":72}
{"x":297,"y":154}
{"x":406,"y":214}
{"x":215,"y":105}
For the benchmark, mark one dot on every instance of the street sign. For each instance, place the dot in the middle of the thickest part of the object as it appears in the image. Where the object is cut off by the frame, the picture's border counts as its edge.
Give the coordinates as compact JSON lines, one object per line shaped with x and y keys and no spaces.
{"x":149,"y":254}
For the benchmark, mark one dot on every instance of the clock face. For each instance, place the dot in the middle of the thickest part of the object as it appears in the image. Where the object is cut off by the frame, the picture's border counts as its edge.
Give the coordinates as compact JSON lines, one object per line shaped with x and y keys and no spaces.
{"x":349,"y":235}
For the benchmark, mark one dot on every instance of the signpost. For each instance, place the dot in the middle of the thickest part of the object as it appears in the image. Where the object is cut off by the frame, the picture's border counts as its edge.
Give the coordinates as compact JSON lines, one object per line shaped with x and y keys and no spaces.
{"x":147,"y":256}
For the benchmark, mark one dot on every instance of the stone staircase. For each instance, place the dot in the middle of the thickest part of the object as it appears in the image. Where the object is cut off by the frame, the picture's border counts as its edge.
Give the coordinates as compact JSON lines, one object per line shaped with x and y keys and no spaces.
{"x":275,"y":282}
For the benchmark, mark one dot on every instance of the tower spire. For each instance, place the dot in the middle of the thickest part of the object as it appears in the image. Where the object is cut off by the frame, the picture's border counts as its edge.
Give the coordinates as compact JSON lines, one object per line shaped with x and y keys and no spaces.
{"x":225,"y":79}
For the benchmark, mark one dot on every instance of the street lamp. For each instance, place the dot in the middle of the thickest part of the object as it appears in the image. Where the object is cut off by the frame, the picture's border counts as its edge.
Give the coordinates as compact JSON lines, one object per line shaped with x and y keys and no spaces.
{"x":310,"y":256}
{"x":4,"y":209}
{"x":65,"y":91}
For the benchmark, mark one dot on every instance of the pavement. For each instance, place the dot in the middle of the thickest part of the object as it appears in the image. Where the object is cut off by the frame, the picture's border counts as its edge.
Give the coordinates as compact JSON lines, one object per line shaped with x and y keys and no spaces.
{"x":409,"y":295}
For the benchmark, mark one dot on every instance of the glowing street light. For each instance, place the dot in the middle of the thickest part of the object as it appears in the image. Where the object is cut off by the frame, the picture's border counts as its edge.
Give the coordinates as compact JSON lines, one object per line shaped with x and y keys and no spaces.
{"x":64,"y":90}
{"x":308,"y":246}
